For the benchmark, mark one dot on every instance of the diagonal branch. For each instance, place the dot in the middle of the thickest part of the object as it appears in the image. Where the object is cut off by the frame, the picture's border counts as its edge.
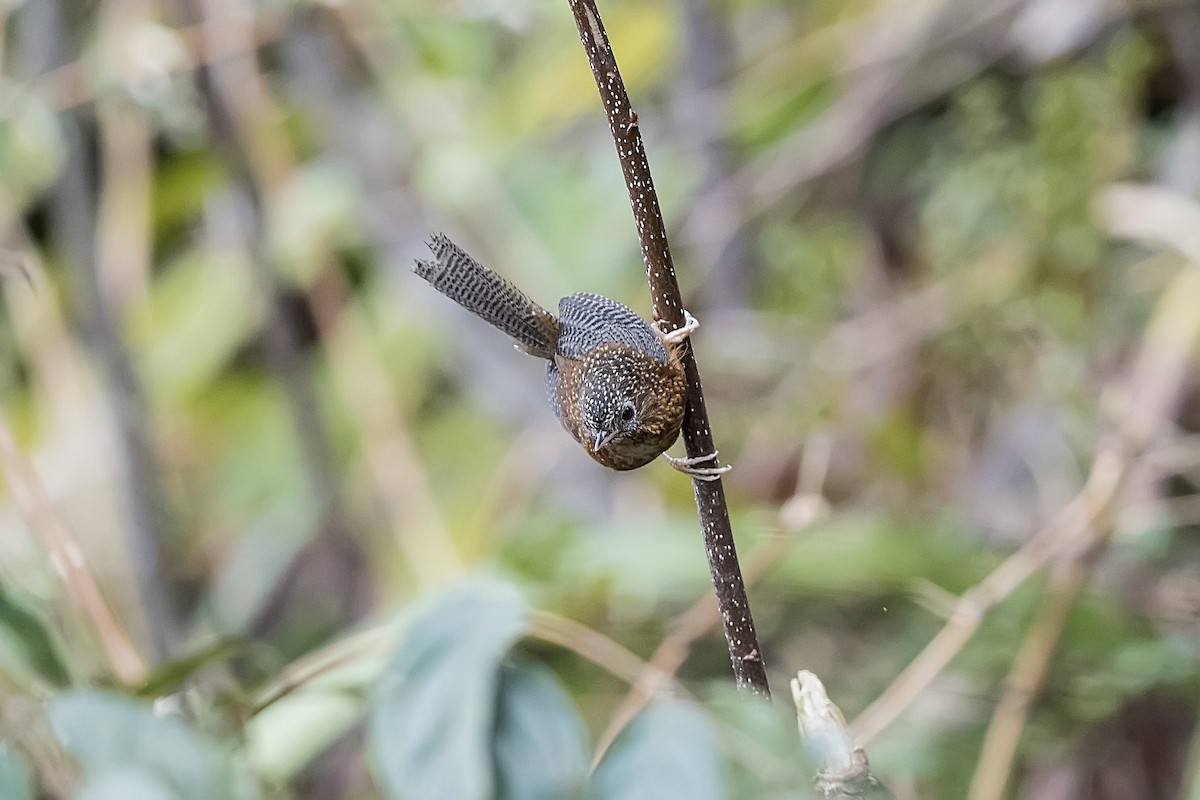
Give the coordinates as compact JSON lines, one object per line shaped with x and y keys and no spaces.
{"x":730,"y":589}
{"x":67,"y":558}
{"x":1027,"y":677}
{"x":1149,"y":396}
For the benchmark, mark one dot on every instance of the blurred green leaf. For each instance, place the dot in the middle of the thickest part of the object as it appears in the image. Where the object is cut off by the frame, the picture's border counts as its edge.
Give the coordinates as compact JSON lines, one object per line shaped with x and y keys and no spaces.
{"x":434,"y":707}
{"x":253,"y":461}
{"x":811,"y":265}
{"x":199,"y":313}
{"x":24,"y":632}
{"x":552,"y":88}
{"x":259,"y":558}
{"x":539,"y":738}
{"x":766,"y":758}
{"x":181,"y":184}
{"x":669,"y":751}
{"x":115,"y":738}
{"x":1131,"y":667}
{"x":32,"y":144}
{"x":14,"y":777}
{"x":128,"y":783}
{"x":868,"y":553}
{"x":318,"y":209}
{"x":639,"y":560}
{"x":285,"y":737}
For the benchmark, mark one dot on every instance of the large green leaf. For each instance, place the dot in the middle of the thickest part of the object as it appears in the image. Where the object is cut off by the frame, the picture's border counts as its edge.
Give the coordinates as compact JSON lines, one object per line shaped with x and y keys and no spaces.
{"x":119,"y":741}
{"x":14,"y":778}
{"x":434,"y":711}
{"x":539,"y":738}
{"x":128,"y":783}
{"x":669,"y":752}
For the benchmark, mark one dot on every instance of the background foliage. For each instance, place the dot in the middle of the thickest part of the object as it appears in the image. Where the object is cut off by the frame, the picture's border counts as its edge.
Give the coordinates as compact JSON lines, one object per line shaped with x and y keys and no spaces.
{"x":349,"y":553}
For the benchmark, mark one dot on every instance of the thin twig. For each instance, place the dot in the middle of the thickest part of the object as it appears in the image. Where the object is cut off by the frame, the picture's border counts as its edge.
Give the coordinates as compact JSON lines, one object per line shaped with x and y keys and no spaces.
{"x":594,"y":646}
{"x":1025,"y":682}
{"x":379,"y":640}
{"x":238,"y":110}
{"x":376,"y":642}
{"x":375,"y":409}
{"x":67,"y":559}
{"x":148,"y":520}
{"x":744,"y":652}
{"x":1153,"y":390}
{"x":1107,"y":476}
{"x":1149,"y":396}
{"x":388,"y":453}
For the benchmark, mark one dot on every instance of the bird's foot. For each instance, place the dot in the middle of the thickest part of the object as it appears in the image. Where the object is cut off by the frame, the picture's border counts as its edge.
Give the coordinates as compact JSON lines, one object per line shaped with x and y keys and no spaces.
{"x":688,"y":465}
{"x":690,"y":324}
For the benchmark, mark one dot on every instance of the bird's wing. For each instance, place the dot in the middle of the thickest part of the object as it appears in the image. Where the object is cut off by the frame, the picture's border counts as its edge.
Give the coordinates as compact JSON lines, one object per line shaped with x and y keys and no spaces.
{"x":589,"y":320}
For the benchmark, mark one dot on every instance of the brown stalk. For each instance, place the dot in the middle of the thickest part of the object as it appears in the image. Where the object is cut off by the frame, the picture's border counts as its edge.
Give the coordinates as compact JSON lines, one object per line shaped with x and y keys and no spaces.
{"x":1148,"y":398}
{"x":744,"y":652}
{"x":67,"y":559}
{"x":1153,"y":387}
{"x":1072,"y":524}
{"x":1025,"y":682}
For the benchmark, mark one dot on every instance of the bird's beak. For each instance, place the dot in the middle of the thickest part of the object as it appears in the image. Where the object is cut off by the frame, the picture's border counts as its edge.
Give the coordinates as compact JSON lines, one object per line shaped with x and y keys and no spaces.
{"x":602,"y":439}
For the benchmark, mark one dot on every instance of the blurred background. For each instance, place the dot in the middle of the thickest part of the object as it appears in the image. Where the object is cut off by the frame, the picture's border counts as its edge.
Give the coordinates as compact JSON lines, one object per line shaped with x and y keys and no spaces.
{"x":943,"y":253}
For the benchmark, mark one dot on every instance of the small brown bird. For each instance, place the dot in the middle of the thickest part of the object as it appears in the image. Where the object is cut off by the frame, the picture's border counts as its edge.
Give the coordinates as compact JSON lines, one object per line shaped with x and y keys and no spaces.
{"x":613,"y":380}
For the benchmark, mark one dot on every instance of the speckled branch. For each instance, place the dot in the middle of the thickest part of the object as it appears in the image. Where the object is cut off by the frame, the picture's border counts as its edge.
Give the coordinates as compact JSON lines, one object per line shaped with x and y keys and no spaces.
{"x":744,"y":652}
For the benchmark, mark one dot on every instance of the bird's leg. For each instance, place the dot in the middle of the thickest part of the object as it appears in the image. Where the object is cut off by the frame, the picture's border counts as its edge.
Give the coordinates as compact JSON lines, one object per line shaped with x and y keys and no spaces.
{"x":690,"y":324}
{"x":688,"y":465}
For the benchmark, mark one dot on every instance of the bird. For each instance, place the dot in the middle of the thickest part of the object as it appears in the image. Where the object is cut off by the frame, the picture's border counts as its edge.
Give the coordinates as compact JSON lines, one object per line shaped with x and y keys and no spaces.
{"x":613,"y":380}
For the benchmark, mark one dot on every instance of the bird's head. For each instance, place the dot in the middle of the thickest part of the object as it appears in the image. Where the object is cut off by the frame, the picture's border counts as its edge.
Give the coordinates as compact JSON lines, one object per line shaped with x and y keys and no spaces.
{"x":631,"y":406}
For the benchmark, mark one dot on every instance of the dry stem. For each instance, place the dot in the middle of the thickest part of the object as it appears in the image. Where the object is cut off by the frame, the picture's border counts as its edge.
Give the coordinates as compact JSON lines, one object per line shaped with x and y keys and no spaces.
{"x":67,"y":559}
{"x":1146,"y":400}
{"x":744,"y":652}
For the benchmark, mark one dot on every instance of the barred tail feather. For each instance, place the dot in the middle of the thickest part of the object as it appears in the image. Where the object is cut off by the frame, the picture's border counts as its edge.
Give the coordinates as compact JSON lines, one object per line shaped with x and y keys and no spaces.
{"x":489,"y":296}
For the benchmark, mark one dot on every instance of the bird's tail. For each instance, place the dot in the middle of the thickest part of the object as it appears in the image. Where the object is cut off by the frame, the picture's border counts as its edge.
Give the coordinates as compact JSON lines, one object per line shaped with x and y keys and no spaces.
{"x":489,"y":296}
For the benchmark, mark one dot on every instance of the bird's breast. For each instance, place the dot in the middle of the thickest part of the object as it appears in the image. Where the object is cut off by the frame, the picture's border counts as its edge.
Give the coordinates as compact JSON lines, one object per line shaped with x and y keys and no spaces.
{"x":590,"y":391}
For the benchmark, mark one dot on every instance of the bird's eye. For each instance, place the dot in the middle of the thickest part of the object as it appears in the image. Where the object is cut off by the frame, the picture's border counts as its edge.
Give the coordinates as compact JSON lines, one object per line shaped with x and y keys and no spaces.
{"x":627,"y":413}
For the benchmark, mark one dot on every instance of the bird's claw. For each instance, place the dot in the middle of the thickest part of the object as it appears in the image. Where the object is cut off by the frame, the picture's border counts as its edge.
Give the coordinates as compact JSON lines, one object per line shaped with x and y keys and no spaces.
{"x":688,"y":465}
{"x":690,"y":324}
